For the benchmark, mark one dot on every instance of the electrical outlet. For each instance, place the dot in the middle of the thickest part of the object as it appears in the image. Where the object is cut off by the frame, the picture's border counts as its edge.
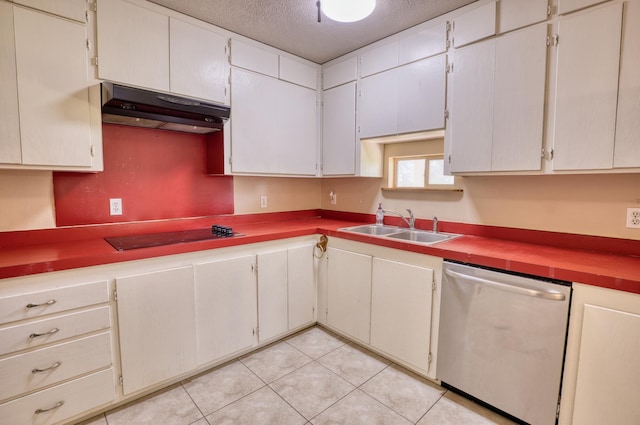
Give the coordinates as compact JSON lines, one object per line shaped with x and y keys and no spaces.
{"x":333,"y":198}
{"x":633,"y":218}
{"x":263,"y":201}
{"x":115,"y":206}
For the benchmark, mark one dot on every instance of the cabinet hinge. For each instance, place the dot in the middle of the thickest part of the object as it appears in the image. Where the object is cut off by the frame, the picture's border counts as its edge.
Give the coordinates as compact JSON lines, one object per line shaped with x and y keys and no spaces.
{"x":542,"y":153}
{"x":229,"y":51}
{"x":115,"y":295}
{"x":120,"y":380}
{"x":551,"y":152}
{"x":550,"y":10}
{"x":92,"y":151}
{"x":446,"y":114}
{"x":95,"y":61}
{"x":553,"y":40}
{"x":88,"y":44}
{"x":450,"y":68}
{"x":429,"y":359}
{"x":256,"y":331}
{"x":433,"y":285}
{"x":449,"y":159}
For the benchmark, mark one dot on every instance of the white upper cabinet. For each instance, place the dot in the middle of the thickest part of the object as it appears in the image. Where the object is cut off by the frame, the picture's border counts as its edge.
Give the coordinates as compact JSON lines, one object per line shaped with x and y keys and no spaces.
{"x":406,"y":99}
{"x":518,"y":109}
{"x":340,"y":73}
{"x":427,"y":42}
{"x":10,"y":148}
{"x":471,"y":111}
{"x":475,"y":24}
{"x":379,"y":104}
{"x":46,"y":116}
{"x":72,"y":9}
{"x":133,"y":45}
{"x":248,"y":56}
{"x":274,"y":126}
{"x":379,"y":59}
{"x":198,"y":61}
{"x":497,"y":103}
{"x":627,"y":148}
{"x":587,"y":89}
{"x":421,"y":95}
{"x":298,"y":73}
{"x":514,"y":14}
{"x":339,"y":130}
{"x":567,"y":6}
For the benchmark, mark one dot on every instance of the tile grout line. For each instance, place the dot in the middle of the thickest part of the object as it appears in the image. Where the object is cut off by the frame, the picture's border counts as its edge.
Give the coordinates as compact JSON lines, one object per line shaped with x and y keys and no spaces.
{"x":194,"y":403}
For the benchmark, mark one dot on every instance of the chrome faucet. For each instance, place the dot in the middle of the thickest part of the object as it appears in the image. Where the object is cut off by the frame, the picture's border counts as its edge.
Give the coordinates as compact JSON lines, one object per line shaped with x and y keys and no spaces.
{"x":411,"y":221}
{"x":435,"y":224}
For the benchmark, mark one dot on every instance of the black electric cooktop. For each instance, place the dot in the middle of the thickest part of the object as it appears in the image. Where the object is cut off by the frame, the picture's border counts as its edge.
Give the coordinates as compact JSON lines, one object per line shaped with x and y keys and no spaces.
{"x":124,"y":243}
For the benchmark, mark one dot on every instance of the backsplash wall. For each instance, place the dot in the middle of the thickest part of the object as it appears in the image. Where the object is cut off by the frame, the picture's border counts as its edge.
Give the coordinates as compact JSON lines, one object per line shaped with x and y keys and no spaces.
{"x":158,"y":174}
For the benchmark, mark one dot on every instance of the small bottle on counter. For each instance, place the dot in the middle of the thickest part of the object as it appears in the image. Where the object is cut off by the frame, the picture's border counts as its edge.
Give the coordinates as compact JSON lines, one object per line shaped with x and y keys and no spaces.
{"x":380,"y":215}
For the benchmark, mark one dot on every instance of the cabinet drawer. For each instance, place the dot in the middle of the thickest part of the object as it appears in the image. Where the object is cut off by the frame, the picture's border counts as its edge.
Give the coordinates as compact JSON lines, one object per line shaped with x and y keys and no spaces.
{"x":26,"y":306}
{"x":37,"y":369}
{"x":61,"y":402}
{"x":18,"y":337}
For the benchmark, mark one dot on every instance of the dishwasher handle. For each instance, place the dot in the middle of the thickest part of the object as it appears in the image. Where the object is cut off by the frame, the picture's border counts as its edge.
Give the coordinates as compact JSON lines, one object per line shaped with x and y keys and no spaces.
{"x":530,"y":292}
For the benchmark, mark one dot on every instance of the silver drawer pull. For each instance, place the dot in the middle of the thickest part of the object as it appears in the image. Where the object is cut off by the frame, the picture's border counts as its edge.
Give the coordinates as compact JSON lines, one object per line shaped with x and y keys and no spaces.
{"x":51,"y":332}
{"x":55,"y":406}
{"x":41,"y":305}
{"x":53,"y":366}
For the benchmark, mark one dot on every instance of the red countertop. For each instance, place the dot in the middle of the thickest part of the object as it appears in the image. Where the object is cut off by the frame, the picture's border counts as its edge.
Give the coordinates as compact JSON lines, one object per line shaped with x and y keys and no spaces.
{"x":604,"y":262}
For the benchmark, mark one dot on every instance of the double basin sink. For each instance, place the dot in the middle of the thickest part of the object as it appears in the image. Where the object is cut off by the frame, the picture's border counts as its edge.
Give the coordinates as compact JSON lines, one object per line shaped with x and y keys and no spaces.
{"x":421,"y":237}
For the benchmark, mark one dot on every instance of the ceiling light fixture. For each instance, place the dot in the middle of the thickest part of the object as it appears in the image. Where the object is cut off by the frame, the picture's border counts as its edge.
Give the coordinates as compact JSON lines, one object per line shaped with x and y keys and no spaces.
{"x":346,"y":10}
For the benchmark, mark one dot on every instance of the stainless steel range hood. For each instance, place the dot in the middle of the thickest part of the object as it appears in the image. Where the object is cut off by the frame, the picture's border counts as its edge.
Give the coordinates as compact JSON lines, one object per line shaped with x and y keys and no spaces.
{"x":143,"y":108}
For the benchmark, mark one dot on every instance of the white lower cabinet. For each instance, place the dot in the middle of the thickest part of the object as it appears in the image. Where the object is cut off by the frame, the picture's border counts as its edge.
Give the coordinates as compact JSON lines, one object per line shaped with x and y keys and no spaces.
{"x":386,"y":299}
{"x":157,"y":323}
{"x":301,"y":286}
{"x":349,"y":293}
{"x":401,"y":298}
{"x":600,"y":383}
{"x":226,"y":301}
{"x":272,"y":294}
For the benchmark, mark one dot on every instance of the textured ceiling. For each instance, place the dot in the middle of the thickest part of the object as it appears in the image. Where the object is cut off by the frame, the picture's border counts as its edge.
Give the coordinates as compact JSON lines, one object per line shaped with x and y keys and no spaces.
{"x":292,"y":25}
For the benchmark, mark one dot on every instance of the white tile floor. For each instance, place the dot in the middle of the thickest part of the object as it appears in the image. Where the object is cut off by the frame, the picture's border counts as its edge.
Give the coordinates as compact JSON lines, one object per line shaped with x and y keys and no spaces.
{"x":314,"y":378}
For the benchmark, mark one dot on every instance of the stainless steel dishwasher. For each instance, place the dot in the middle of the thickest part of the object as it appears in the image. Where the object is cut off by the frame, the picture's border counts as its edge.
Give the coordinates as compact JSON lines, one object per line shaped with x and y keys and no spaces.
{"x":502,"y":340}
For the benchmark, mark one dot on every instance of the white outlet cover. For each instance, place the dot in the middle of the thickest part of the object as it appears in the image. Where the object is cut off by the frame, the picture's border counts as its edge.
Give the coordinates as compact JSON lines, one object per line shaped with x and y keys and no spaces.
{"x":633,"y":218}
{"x":263,"y":201}
{"x":115,"y":206}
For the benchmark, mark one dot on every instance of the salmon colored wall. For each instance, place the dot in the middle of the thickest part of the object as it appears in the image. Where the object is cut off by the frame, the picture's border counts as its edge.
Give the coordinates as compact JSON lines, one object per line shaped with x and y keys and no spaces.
{"x":26,"y":200}
{"x":157,"y":174}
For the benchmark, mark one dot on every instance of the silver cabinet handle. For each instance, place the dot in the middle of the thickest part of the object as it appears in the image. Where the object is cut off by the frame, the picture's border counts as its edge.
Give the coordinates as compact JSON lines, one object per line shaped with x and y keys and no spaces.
{"x":53,"y":366}
{"x":548,"y":295}
{"x":55,"y":406}
{"x":41,"y":305}
{"x":51,"y":332}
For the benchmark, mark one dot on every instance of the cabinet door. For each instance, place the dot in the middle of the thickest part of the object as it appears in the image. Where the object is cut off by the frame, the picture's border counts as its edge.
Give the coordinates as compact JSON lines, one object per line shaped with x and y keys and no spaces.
{"x":475,"y":24}
{"x":519,"y":13}
{"x":566,"y":6}
{"x":401,"y":297}
{"x":427,"y":42}
{"x":54,"y":107}
{"x":254,"y":126}
{"x":379,"y":59}
{"x":226,"y":307}
{"x":274,"y":125}
{"x":133,"y":45}
{"x":339,"y":130}
{"x":379,"y":104}
{"x":272,"y":294}
{"x":156,"y":317}
{"x":296,"y":140}
{"x":72,"y":9}
{"x":301,"y":286}
{"x":471,"y":109}
{"x":250,"y":57}
{"x":518,"y":110}
{"x":587,"y":89}
{"x":421,"y":95}
{"x":299,"y":73}
{"x":10,"y":152}
{"x":627,"y":148}
{"x":349,"y":293}
{"x":339,"y":73}
{"x":609,"y":352}
{"x":198,"y":62}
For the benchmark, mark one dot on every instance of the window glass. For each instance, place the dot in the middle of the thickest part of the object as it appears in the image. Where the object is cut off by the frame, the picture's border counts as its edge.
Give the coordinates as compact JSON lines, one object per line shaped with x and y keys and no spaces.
{"x":436,"y":172}
{"x":410,"y":172}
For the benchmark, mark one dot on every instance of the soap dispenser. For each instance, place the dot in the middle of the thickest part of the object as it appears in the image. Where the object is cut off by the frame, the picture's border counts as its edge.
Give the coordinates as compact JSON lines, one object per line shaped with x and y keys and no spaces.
{"x":380,"y":215}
